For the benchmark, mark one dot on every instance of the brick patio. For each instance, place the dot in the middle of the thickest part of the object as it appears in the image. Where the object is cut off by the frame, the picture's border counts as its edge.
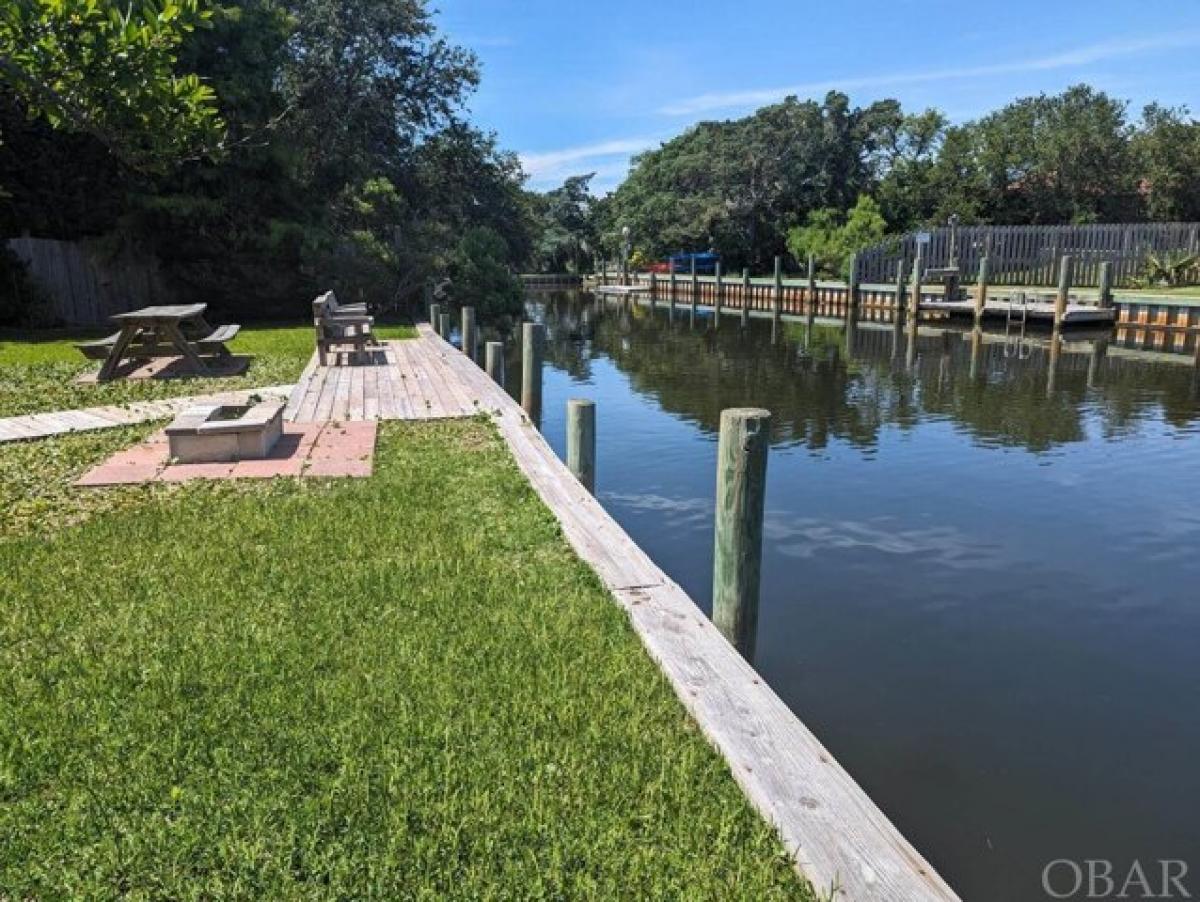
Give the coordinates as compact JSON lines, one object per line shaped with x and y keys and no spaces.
{"x":306,"y":450}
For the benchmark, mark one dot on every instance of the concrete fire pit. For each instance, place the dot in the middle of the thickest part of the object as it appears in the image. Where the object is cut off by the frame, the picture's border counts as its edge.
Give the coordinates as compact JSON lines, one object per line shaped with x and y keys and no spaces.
{"x":213,"y":433}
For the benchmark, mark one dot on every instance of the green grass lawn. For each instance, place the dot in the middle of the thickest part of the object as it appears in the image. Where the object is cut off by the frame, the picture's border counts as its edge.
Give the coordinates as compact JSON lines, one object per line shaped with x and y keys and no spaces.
{"x":406,"y":686}
{"x":38,"y":369}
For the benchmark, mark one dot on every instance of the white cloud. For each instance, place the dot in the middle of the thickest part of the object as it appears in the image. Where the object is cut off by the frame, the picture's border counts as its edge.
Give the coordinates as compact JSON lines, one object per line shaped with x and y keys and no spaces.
{"x":608,"y":159}
{"x":1081,"y":56}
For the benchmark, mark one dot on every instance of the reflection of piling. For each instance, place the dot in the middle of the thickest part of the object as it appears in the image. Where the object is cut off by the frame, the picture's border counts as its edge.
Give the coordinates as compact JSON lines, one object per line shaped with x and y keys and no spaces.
{"x":581,"y":441}
{"x":737,"y":550}
{"x":1096,"y":361}
{"x":468,"y":335}
{"x":981,"y":290}
{"x":745,"y":297}
{"x":532,"y":338}
{"x":1052,"y":369}
{"x":976,"y":351}
{"x":1065,"y":271}
{"x":494,"y":357}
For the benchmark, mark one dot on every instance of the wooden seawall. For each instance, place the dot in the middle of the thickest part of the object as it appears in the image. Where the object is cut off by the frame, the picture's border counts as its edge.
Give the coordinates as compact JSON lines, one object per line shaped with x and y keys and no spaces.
{"x":839,"y":838}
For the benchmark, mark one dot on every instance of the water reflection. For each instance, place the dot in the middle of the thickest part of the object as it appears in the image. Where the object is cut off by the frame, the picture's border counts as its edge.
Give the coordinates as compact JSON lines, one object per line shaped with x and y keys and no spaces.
{"x":826,"y":380}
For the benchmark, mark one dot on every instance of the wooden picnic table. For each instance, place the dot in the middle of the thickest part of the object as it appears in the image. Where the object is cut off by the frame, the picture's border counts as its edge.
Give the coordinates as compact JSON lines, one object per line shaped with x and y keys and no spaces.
{"x":168,"y":330}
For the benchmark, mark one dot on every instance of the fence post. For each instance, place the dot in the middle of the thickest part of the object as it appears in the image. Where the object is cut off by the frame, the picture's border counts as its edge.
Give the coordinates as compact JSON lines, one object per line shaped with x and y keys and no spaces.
{"x":532,"y":336}
{"x":745,"y":296}
{"x":1065,"y":270}
{"x":494,"y":357}
{"x":777,"y":294}
{"x":468,"y":336}
{"x":581,"y":441}
{"x":737,"y":549}
{"x":444,"y":325}
{"x":981,"y":290}
{"x":1106,"y":285}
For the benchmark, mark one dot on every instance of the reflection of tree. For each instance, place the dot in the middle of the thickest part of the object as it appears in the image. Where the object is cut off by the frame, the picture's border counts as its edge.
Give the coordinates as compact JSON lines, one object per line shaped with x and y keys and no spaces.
{"x":821,"y":387}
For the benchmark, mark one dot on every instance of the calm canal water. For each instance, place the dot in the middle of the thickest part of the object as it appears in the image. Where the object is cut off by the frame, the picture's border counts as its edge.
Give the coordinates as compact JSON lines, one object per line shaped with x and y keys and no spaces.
{"x":981,"y":591}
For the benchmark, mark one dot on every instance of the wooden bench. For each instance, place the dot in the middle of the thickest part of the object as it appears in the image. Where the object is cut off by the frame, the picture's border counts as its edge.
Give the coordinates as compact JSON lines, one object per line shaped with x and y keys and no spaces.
{"x":338,"y":327}
{"x":214,"y":342}
{"x":100,"y":348}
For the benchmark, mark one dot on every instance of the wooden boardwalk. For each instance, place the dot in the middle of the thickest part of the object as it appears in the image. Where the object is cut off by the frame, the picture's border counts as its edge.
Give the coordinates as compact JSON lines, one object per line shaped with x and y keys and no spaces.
{"x":402,"y":380}
{"x":837,"y":835}
{"x":43,"y":425}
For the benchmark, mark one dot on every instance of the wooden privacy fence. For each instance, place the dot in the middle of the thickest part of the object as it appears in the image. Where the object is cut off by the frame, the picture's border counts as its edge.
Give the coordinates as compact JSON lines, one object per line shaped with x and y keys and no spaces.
{"x":1028,"y":255}
{"x":85,"y":286}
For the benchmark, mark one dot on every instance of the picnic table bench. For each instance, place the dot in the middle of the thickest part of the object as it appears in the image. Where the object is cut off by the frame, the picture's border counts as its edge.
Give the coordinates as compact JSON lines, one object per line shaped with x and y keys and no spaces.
{"x":171,"y":330}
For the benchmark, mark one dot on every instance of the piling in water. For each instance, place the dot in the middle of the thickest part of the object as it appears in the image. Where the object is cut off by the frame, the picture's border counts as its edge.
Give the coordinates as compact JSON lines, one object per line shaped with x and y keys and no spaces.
{"x":581,"y":441}
{"x":1065,"y":271}
{"x":981,"y":290}
{"x":532,"y":338}
{"x":444,"y":325}
{"x":737,"y":548}
{"x":745,"y":297}
{"x":777,"y":293}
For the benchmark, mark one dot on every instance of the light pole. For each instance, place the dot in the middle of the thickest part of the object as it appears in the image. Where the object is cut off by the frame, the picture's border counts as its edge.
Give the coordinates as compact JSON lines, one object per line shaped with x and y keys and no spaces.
{"x":624,"y":255}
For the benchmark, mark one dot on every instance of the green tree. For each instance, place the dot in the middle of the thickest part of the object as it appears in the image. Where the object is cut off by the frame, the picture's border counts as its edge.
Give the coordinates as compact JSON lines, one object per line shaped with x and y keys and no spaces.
{"x":1168,"y":151}
{"x":831,"y":236}
{"x":109,"y":69}
{"x":564,"y":224}
{"x":482,"y":278}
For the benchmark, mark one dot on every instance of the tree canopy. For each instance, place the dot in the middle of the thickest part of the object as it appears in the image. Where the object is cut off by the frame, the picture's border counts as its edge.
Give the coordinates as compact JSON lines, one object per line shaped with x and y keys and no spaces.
{"x":789,"y":176}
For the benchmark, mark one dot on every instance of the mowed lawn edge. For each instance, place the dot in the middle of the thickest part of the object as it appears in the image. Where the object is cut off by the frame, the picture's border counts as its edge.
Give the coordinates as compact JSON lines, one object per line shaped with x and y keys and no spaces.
{"x":401,"y":686}
{"x":38,"y":368}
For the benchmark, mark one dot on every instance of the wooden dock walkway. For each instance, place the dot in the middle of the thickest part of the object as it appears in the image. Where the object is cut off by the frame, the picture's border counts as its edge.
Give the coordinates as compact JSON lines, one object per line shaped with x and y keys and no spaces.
{"x":60,"y":422}
{"x":837,"y":835}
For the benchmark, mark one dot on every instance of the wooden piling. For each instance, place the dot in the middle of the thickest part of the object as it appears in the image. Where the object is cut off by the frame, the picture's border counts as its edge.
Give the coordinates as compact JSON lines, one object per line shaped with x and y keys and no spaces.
{"x":695,"y":289}
{"x":1106,"y":285}
{"x":914,"y":301}
{"x":720,"y":296}
{"x":981,"y":290}
{"x":812,"y":288}
{"x":745,"y":296}
{"x":1065,"y":271}
{"x":435,"y":314}
{"x":777,"y":293}
{"x":581,"y":441}
{"x":444,"y":325}
{"x":468,"y":336}
{"x":737,"y":550}
{"x":494,"y":357}
{"x":532,"y":338}
{"x":673,"y":283}
{"x":898,"y":308}
{"x":852,"y":287}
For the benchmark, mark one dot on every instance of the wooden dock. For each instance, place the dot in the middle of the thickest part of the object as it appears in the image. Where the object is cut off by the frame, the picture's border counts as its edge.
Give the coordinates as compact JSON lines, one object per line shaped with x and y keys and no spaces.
{"x":836,"y":834}
{"x":1039,"y":312}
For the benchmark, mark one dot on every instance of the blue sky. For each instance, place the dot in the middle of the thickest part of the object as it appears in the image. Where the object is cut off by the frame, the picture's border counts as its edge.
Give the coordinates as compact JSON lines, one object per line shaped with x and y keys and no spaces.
{"x":581,"y":86}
